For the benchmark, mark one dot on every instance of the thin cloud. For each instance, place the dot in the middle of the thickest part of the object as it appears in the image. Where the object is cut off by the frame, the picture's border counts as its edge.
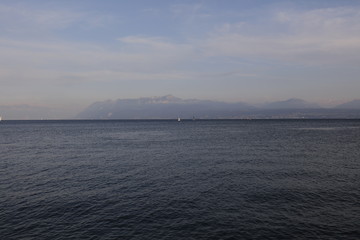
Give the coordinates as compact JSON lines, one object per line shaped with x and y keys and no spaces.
{"x":146,"y":55}
{"x":23,"y":19}
{"x":240,"y":55}
{"x":330,"y":36}
{"x":188,"y":10}
{"x":26,"y":62}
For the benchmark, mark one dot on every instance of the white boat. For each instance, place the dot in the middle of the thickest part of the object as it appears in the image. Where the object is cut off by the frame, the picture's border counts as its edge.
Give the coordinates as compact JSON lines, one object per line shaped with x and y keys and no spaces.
{"x":179,"y":119}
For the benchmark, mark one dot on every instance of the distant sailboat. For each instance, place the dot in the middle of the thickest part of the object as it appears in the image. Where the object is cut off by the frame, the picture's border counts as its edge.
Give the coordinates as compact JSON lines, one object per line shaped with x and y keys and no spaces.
{"x":179,"y":119}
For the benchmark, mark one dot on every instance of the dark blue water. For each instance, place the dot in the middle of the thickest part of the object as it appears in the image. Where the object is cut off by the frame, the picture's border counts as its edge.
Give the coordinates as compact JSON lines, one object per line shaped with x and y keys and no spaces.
{"x":260,"y":179}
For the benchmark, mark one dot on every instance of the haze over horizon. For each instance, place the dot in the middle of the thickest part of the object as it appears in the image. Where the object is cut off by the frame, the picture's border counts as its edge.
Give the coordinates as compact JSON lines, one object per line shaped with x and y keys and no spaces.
{"x":68,"y":54}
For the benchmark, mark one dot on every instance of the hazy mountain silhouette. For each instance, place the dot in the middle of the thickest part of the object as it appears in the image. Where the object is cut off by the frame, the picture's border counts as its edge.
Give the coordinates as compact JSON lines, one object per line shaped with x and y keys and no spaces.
{"x":292,"y":103}
{"x":170,"y":107}
{"x":162,"y":107}
{"x":355,"y":104}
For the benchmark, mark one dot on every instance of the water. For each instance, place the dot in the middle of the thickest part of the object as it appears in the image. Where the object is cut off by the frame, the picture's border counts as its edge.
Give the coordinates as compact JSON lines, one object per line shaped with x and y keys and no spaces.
{"x":260,"y":179}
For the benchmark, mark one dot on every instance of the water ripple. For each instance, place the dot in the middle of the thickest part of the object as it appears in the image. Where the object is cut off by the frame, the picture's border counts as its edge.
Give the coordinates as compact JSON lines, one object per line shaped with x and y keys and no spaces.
{"x":197,"y":180}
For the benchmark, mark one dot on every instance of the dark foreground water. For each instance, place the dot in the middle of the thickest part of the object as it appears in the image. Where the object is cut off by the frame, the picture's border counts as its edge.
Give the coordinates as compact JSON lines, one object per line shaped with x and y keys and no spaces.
{"x":260,"y":179}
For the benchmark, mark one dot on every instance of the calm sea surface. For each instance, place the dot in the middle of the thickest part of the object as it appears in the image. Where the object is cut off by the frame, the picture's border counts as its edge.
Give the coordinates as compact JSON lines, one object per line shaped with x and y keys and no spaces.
{"x":259,"y":179}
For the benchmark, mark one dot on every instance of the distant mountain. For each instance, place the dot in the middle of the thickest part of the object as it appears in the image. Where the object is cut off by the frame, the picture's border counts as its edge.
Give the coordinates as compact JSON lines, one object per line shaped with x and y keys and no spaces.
{"x":170,"y":107}
{"x":355,"y":104}
{"x":162,"y":107}
{"x":293,"y":103}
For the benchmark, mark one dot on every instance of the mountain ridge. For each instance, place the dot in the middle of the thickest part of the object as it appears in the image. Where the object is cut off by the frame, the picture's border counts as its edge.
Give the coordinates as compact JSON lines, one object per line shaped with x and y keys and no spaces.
{"x":354,"y":104}
{"x":169,"y":106}
{"x":159,"y":107}
{"x":292,"y":103}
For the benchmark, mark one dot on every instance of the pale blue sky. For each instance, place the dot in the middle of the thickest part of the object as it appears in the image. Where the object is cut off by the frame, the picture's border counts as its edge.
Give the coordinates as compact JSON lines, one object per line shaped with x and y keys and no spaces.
{"x":68,"y":54}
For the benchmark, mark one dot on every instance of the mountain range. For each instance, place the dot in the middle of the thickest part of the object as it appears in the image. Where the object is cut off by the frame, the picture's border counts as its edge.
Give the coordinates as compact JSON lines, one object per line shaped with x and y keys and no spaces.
{"x":292,"y":103}
{"x":355,"y":104}
{"x":170,"y":107}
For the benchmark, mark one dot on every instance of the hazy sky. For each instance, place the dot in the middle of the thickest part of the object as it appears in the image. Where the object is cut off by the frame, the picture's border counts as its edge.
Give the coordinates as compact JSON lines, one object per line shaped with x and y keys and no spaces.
{"x":72,"y":53}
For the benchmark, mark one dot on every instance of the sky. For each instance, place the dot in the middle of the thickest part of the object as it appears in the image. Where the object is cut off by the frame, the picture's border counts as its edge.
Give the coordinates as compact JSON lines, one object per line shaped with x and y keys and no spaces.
{"x":67,"y":54}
